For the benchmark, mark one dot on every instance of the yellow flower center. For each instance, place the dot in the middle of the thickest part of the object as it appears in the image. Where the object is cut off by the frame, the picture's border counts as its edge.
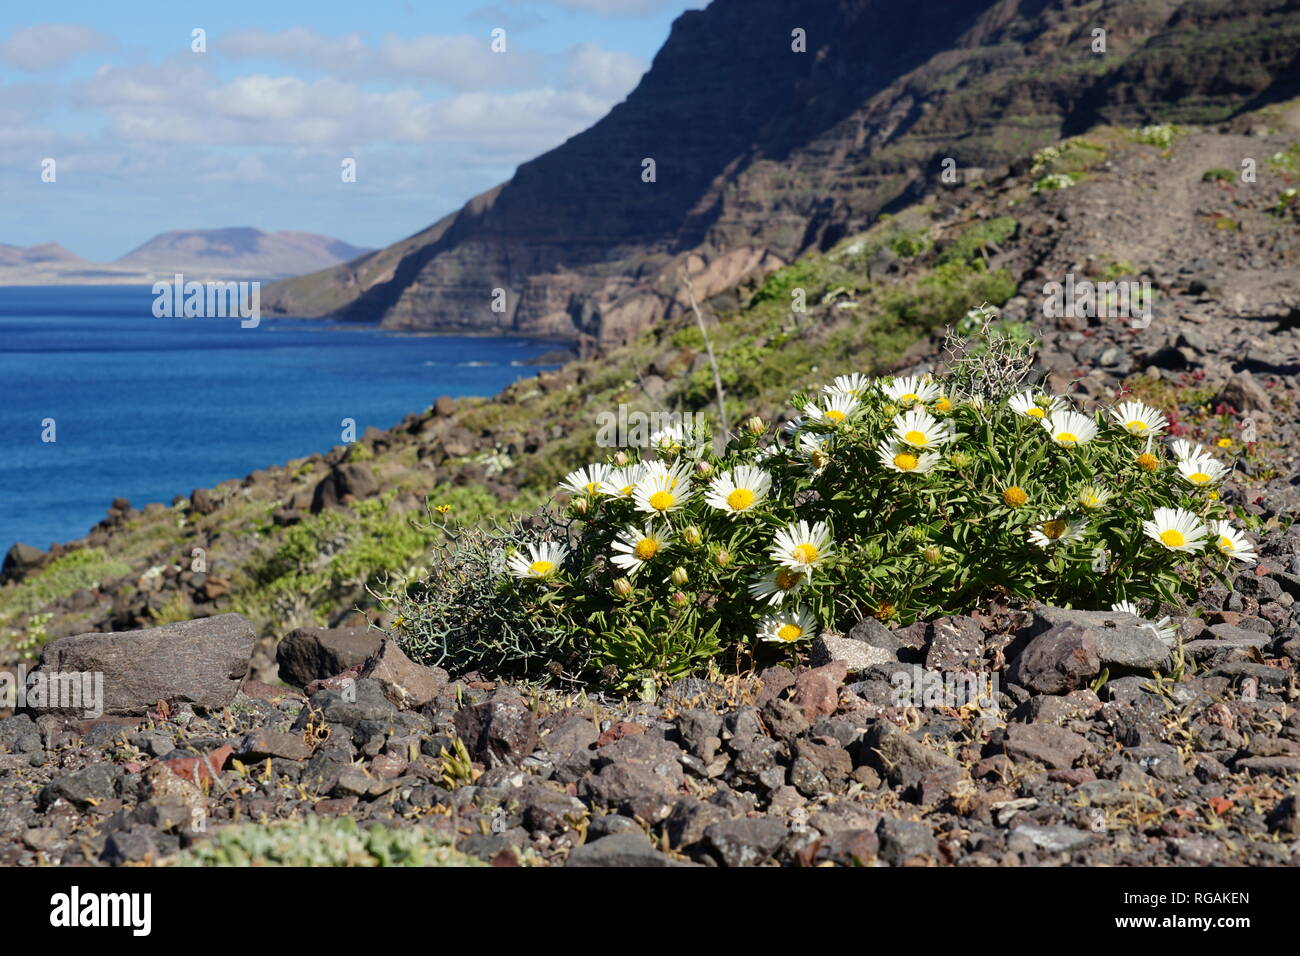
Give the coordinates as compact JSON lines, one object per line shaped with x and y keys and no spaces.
{"x":1225,"y":543}
{"x":740,"y":499}
{"x":541,"y":569}
{"x":916,"y":438}
{"x":1067,"y":438}
{"x":943,"y":405}
{"x":1173,"y":537}
{"x":910,"y":397}
{"x":1089,"y":501}
{"x":835,"y":414}
{"x":1034,"y":412}
{"x":905,"y":462}
{"x":646,"y":548}
{"x":787,"y":580}
{"x":662,"y":500}
{"x":592,"y":487}
{"x":1137,"y":427}
{"x":1053,"y":529}
{"x":1015,"y":496}
{"x":1198,"y":478}
{"x":789,"y":632}
{"x":819,"y":459}
{"x":804,"y":553}
{"x":1148,"y":461}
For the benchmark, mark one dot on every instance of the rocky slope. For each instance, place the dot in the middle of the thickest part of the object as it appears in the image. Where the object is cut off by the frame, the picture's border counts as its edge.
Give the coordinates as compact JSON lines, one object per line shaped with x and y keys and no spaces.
{"x":762,"y":153}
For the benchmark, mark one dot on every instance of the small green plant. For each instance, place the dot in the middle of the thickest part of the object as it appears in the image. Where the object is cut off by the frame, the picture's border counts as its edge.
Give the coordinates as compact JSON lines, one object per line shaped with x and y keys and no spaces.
{"x":909,"y":245}
{"x":360,"y":451}
{"x":1287,"y":201}
{"x":464,"y":615}
{"x":1286,"y":161}
{"x":1052,"y":181}
{"x":457,"y":767}
{"x":316,"y":842}
{"x":1161,"y":135}
{"x":1218,"y":175}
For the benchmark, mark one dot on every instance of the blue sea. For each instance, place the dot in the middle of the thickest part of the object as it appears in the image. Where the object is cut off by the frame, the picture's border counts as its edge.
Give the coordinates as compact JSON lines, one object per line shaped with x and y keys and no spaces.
{"x":148,"y":408}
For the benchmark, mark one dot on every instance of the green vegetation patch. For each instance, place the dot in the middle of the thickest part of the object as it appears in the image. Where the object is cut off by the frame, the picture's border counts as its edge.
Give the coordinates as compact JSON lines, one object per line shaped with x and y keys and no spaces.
{"x":316,"y":842}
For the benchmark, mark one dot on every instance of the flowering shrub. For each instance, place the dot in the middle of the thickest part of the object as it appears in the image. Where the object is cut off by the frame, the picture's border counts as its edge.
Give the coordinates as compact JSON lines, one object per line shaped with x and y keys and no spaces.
{"x":899,"y":498}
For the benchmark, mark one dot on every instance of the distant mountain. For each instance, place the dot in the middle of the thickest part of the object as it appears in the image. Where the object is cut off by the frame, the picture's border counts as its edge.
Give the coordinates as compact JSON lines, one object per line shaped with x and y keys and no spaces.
{"x":238,"y":253}
{"x":44,"y":255}
{"x":762,"y":152}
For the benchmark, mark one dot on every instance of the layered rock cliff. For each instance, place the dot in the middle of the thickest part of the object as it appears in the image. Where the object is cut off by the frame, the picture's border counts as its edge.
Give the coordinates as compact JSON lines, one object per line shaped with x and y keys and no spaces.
{"x":761,"y":152}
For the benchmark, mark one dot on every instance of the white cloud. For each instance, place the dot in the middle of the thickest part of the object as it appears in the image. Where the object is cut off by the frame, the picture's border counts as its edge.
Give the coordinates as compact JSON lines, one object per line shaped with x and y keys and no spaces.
{"x":606,"y":73}
{"x":178,"y":102}
{"x":615,"y":8}
{"x":51,"y":45}
{"x":459,"y":61}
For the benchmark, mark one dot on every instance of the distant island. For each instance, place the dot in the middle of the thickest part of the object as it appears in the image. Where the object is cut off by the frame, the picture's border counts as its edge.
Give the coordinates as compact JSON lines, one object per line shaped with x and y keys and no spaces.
{"x":241,"y":252}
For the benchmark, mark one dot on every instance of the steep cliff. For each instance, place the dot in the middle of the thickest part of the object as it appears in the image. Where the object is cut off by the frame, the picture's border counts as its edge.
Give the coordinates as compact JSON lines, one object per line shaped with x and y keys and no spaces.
{"x":762,"y":152}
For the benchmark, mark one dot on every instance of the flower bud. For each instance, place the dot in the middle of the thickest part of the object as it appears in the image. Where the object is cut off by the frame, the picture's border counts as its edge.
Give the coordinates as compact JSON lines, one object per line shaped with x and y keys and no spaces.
{"x":723,"y":558}
{"x":756,"y":426}
{"x":680,"y":577}
{"x":679,"y":599}
{"x":621,"y":459}
{"x":623,"y":587}
{"x":933,"y":554}
{"x":704,"y":469}
{"x":692,"y":535}
{"x":580,"y":506}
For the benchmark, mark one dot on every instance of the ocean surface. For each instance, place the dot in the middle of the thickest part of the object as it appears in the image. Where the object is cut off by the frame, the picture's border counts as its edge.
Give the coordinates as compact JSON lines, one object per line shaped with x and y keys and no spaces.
{"x":148,"y":408}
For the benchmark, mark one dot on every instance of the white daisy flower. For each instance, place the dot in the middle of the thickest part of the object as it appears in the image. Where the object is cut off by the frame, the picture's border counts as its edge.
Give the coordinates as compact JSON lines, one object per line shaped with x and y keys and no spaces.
{"x":1069,"y":429}
{"x":682,"y":438}
{"x":834,"y":409}
{"x":902,"y":458}
{"x":1057,"y":531}
{"x":1093,"y":497}
{"x":854,"y":386}
{"x":801,"y":547}
{"x":778,"y":584}
{"x":622,"y":481}
{"x":540,"y":563}
{"x":911,"y":390}
{"x":661,"y":490}
{"x":1139,"y":419}
{"x":592,"y":480}
{"x":1176,"y":528}
{"x":920,"y":429}
{"x":786,"y":627}
{"x":1036,"y":404}
{"x":1202,"y":471}
{"x":738,"y":490}
{"x":1228,"y":540}
{"x":813,"y":448}
{"x":1183,"y":449}
{"x":636,"y":546}
{"x":1166,"y":633}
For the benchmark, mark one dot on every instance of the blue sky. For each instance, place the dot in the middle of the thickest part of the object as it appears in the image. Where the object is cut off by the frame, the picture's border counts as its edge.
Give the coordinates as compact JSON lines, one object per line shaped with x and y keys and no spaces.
{"x":148,"y":135}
